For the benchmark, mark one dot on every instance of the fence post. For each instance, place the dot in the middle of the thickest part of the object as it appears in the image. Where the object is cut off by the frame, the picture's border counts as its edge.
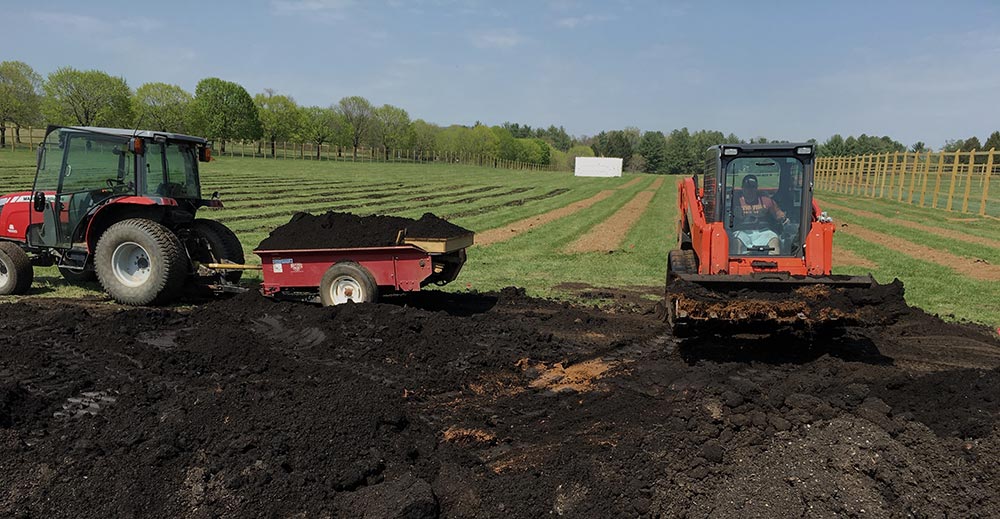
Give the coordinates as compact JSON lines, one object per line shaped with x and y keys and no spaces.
{"x":968,"y":181}
{"x":986,"y":182}
{"x":836,"y":174}
{"x":923,"y":183}
{"x":902,"y":178}
{"x":937,"y":179}
{"x":954,"y":176}
{"x":888,"y":176}
{"x":859,"y":174}
{"x":869,"y":171}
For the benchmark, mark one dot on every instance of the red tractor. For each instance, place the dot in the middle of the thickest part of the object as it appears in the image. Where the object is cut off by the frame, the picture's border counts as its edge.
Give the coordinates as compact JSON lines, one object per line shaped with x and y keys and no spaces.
{"x":119,"y":206}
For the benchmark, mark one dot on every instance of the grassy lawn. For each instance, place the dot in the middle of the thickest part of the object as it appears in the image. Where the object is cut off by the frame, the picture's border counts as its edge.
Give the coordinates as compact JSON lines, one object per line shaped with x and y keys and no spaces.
{"x":262,"y":194}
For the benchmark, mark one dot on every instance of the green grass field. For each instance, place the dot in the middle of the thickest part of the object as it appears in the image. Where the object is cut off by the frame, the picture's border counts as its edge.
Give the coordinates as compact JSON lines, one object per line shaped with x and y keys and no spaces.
{"x":262,"y":194}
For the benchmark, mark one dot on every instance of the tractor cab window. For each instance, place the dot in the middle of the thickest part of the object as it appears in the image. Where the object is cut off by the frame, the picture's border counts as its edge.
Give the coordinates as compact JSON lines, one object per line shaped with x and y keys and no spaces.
{"x":171,"y":170}
{"x":763,"y":206}
{"x":94,"y":163}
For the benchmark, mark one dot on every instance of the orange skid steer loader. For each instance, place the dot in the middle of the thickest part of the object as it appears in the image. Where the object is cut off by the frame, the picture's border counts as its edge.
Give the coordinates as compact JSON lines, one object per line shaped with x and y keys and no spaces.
{"x":755,"y":250}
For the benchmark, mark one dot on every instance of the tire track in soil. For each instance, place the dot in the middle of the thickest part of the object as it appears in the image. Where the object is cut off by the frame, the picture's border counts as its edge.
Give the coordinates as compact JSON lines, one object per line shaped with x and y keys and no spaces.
{"x":609,"y":234}
{"x":937,"y":231}
{"x":502,"y":234}
{"x":964,"y":266}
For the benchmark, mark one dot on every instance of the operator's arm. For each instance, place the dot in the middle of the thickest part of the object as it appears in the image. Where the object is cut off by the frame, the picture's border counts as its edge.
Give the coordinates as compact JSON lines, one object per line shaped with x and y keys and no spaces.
{"x":773,"y":208}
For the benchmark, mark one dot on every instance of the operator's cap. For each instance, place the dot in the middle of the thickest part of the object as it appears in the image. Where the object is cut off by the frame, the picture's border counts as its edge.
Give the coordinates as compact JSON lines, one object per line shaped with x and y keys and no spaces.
{"x":750,"y":181}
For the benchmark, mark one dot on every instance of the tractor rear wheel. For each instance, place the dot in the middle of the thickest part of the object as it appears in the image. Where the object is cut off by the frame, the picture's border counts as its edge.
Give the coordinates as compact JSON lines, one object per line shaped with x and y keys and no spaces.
{"x":140,"y":262}
{"x":16,"y":272}
{"x":222,"y":246}
{"x":347,"y":282}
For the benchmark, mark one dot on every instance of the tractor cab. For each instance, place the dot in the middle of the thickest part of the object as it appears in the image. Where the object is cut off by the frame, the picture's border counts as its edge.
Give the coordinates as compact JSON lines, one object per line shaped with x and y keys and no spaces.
{"x":82,"y":172}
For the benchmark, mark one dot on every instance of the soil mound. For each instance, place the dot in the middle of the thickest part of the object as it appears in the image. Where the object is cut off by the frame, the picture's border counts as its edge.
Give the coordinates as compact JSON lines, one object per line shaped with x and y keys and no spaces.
{"x":334,"y":230}
{"x":485,"y":405}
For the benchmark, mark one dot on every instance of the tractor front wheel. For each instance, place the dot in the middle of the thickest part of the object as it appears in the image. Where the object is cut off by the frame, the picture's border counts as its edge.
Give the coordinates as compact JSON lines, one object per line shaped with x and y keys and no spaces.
{"x":16,"y":272}
{"x":140,"y":262}
{"x":347,"y":282}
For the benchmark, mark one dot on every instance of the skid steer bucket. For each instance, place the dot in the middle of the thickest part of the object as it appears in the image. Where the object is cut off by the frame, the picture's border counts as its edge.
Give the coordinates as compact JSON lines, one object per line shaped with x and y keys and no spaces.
{"x":771,"y":303}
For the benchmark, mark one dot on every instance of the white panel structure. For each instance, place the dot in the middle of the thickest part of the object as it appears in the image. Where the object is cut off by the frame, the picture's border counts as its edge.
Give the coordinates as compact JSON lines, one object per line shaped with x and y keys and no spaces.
{"x":597,"y":167}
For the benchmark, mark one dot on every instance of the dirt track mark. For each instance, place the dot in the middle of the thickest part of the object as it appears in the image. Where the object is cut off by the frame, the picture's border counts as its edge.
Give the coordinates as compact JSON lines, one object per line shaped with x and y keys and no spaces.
{"x":964,"y":266}
{"x":846,"y":258}
{"x":517,"y":228}
{"x":630,"y":183}
{"x":944,"y":233}
{"x":609,"y":234}
{"x":656,"y":184}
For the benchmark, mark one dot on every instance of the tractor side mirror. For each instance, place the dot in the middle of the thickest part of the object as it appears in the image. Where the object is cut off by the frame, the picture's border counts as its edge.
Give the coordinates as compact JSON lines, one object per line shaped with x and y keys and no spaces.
{"x":38,"y":203}
{"x":204,"y":154}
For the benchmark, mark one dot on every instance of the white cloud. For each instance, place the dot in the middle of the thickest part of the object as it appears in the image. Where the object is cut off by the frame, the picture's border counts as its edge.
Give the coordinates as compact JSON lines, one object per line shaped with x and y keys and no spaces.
{"x":573,"y":22}
{"x":90,"y":25}
{"x":324,"y":9}
{"x":497,"y":39}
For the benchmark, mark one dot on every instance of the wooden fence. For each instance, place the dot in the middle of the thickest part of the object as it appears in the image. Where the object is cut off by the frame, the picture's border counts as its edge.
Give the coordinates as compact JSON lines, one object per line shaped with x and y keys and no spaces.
{"x":31,"y":137}
{"x":961,"y":181}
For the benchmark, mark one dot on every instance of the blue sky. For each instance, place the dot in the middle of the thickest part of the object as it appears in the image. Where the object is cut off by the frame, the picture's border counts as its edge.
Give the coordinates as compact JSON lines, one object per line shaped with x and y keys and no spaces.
{"x":790,"y":70}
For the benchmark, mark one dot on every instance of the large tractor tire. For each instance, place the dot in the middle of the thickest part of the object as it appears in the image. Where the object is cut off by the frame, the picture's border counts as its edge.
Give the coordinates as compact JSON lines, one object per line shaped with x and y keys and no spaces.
{"x":223,"y":246}
{"x":16,"y":272}
{"x":78,"y":277}
{"x":347,"y":282}
{"x":140,"y":262}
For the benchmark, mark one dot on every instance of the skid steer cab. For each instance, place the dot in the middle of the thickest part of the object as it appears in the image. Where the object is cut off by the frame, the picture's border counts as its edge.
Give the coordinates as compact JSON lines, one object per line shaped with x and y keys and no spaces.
{"x":118,"y":206}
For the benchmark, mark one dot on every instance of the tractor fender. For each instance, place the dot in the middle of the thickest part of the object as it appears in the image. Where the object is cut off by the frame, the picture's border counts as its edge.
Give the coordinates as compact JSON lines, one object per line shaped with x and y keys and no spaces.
{"x":107,"y":214}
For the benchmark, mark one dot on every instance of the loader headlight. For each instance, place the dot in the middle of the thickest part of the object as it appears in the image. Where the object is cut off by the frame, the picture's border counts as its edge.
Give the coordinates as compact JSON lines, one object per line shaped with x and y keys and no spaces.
{"x":730,"y":151}
{"x":804,"y":150}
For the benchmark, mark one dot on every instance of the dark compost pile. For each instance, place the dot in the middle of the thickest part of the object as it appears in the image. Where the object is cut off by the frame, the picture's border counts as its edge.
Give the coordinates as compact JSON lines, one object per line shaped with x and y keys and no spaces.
{"x":345,"y":230}
{"x":497,"y":405}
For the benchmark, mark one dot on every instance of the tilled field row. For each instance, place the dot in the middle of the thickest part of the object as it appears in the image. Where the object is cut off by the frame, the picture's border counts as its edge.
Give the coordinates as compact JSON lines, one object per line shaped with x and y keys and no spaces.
{"x":430,"y":202}
{"x":314,"y":197}
{"x":609,"y":234}
{"x":944,"y":233}
{"x":961,"y":265}
{"x":327,"y":204}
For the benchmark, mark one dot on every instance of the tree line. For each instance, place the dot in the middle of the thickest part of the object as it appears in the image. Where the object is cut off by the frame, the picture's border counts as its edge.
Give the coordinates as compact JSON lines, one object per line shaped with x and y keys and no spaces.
{"x":224,"y":111}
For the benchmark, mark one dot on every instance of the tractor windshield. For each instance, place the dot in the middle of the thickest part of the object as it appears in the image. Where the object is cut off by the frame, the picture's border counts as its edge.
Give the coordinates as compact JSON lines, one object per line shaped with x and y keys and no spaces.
{"x":171,"y":170}
{"x":764,"y":206}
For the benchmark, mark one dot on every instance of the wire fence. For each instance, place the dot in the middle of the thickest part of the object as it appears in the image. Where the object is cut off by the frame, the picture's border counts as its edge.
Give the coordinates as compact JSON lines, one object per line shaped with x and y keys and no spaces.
{"x":29,"y":138}
{"x":960,"y":181}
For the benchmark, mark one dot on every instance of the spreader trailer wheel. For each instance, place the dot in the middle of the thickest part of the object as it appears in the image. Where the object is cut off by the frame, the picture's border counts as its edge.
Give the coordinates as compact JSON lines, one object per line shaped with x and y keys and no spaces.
{"x":347,"y":282}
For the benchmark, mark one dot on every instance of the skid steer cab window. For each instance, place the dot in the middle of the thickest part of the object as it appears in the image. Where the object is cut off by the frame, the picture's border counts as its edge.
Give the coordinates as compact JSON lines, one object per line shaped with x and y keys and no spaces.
{"x":171,"y":170}
{"x":763,"y":214}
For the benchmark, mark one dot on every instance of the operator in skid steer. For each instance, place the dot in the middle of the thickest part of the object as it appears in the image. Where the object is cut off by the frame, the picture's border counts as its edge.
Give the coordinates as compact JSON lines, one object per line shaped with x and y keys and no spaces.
{"x":754,"y":215}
